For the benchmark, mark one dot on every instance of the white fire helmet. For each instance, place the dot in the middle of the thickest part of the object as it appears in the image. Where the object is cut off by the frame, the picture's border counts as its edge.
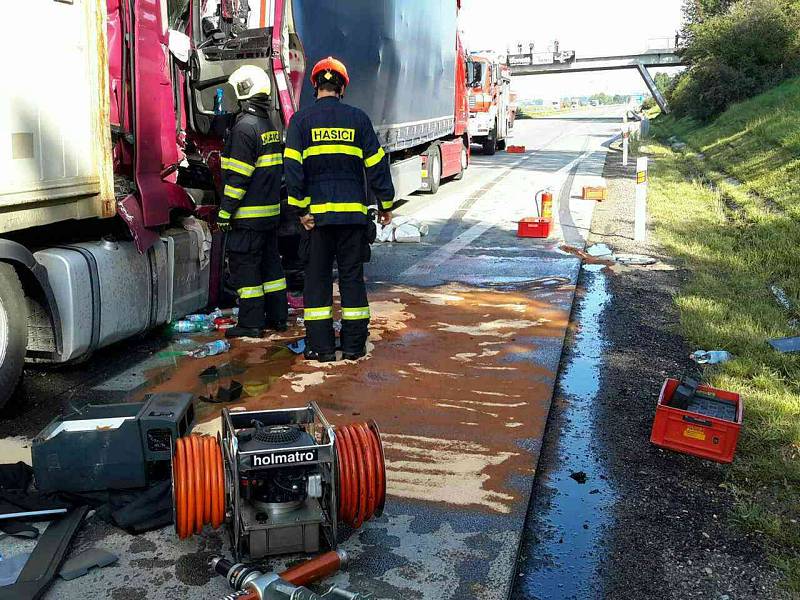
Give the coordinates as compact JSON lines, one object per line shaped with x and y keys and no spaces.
{"x":249,"y":80}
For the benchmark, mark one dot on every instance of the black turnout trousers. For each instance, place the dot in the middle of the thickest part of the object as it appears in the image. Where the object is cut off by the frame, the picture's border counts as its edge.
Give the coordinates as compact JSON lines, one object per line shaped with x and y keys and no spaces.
{"x":348,"y":246}
{"x":257,"y":275}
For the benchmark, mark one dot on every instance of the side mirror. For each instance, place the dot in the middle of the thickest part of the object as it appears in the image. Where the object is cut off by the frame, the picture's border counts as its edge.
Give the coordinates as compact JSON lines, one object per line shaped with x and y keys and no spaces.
{"x":180,"y":46}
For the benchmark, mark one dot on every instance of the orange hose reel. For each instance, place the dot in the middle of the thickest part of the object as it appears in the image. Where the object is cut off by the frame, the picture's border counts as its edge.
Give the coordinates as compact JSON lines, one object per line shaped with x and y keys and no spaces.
{"x":198,"y":484}
{"x":361,"y":473}
{"x":199,"y":480}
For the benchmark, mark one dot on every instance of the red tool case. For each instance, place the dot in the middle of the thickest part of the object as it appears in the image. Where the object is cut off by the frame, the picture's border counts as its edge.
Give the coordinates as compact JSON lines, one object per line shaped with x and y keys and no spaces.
{"x":697,"y":433}
{"x":534,"y":227}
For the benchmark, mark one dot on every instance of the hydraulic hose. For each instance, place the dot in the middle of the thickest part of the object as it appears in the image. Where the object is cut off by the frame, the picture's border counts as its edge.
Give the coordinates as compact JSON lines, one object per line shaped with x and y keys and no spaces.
{"x":198,"y":484}
{"x":362,"y":473}
{"x":313,"y":570}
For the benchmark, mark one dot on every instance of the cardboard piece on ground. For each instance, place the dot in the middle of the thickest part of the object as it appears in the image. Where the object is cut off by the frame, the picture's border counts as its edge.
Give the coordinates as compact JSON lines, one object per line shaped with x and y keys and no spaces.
{"x":786,"y":345}
{"x":599,"y":250}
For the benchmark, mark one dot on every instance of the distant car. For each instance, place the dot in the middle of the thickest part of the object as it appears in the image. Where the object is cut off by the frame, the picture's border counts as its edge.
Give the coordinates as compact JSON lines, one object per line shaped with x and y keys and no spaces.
{"x":595,"y":103}
{"x":556,"y":105}
{"x":576,"y":105}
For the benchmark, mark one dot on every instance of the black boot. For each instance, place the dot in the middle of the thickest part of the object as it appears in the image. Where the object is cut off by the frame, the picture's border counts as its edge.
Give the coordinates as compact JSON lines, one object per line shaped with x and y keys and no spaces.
{"x":239,"y":332}
{"x":354,"y":355}
{"x":324,"y":357}
{"x":278,"y":326}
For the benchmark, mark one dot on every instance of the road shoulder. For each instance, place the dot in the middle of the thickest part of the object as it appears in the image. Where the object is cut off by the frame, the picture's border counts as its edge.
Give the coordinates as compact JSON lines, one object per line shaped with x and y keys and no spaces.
{"x":672,"y":536}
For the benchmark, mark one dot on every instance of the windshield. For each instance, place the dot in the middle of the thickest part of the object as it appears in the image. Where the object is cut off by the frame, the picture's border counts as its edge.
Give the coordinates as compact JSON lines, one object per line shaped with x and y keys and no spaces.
{"x":177,"y":11}
{"x":475,"y":73}
{"x":223,"y":20}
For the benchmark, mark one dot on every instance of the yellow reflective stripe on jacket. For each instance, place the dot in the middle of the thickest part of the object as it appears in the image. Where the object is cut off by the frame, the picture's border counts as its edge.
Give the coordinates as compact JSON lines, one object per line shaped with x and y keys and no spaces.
{"x":318,"y":314}
{"x":234,"y":192}
{"x":387,"y":205}
{"x":274,"y":286}
{"x":224,"y":214}
{"x":298,"y":202}
{"x":374,"y":159}
{"x":237,"y":166}
{"x":255,"y":212}
{"x":349,"y":207}
{"x":355,"y":314}
{"x":269,"y":160}
{"x":333,"y":149}
{"x":293,"y":154}
{"x":255,"y":291}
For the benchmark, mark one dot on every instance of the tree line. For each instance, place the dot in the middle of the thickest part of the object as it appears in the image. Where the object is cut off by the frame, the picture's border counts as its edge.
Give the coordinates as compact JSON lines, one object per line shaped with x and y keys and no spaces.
{"x":735,"y":49}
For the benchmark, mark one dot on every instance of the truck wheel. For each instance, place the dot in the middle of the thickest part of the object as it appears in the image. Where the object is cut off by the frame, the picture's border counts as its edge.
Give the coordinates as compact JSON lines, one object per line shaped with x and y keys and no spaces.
{"x":13,"y":331}
{"x":434,"y":170}
{"x":490,"y":145}
{"x":464,"y":164}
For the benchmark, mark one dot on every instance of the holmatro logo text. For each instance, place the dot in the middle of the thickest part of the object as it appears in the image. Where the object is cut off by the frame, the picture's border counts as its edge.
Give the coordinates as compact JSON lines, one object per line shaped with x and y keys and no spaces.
{"x":267,"y":460}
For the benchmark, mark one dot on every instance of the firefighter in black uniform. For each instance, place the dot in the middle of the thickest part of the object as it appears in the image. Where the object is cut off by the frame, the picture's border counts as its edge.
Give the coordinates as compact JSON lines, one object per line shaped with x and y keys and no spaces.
{"x":332,"y":155}
{"x":252,"y":164}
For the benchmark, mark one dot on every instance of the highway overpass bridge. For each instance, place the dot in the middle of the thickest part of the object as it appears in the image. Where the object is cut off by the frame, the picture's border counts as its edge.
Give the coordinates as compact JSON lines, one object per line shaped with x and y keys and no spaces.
{"x":544,"y":63}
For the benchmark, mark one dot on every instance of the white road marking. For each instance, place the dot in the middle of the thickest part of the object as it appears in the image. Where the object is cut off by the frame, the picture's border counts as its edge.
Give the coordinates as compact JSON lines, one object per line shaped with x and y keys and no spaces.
{"x":443,"y":254}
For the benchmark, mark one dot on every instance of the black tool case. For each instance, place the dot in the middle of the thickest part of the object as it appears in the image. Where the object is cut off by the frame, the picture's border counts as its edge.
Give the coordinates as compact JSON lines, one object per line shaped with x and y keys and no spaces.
{"x":112,"y":446}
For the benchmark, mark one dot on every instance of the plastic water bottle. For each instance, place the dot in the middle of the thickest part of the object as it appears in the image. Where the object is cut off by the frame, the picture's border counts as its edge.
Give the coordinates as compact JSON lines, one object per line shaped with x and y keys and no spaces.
{"x":197,"y":318}
{"x":711,"y":357}
{"x":218,"y":109}
{"x":186,"y":326}
{"x":211,"y":349}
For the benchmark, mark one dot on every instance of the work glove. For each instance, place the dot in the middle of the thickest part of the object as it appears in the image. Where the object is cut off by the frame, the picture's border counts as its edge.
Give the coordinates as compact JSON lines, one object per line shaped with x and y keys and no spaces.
{"x":307,"y":221}
{"x":224,"y":222}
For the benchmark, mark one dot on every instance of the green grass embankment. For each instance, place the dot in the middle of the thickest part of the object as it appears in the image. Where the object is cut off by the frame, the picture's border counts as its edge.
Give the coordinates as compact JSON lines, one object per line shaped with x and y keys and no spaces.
{"x":736,"y":239}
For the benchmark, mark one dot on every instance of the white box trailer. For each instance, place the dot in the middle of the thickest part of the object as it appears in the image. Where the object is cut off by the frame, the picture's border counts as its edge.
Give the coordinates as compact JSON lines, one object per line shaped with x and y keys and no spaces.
{"x":69,"y":282}
{"x":55,"y":136}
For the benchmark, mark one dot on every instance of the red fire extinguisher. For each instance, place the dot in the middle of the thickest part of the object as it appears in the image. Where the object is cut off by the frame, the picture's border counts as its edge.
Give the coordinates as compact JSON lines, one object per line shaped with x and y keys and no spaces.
{"x":544,"y":204}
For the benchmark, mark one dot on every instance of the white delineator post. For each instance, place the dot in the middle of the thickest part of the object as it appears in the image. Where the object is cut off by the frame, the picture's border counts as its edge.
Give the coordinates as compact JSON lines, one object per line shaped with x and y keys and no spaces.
{"x":626,"y":134}
{"x":640,"y":210}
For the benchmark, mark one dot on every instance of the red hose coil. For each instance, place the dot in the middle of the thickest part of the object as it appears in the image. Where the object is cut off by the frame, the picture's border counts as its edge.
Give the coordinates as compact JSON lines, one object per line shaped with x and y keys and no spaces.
{"x":197,"y":478}
{"x":362,"y":473}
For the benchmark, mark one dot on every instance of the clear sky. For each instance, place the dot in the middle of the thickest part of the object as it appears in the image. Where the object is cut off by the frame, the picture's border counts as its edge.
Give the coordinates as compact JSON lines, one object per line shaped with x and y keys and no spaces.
{"x":590,"y":27}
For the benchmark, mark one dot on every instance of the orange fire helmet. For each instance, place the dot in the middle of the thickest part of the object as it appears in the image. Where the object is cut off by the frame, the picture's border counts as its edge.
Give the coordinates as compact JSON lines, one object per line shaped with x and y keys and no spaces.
{"x":330,"y":66}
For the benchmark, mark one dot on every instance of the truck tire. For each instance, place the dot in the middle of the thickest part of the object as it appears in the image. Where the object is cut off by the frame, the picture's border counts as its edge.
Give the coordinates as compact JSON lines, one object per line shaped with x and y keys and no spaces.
{"x":13,"y":331}
{"x":464,"y":164}
{"x":490,"y":145}
{"x":434,"y":169}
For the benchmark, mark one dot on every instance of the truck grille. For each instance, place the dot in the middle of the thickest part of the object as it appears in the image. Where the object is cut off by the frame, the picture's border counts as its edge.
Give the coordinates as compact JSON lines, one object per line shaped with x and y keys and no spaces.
{"x":472,"y":102}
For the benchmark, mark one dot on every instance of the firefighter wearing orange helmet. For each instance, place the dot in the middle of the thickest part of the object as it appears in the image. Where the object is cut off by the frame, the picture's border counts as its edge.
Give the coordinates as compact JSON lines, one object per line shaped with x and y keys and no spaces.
{"x":332,"y":158}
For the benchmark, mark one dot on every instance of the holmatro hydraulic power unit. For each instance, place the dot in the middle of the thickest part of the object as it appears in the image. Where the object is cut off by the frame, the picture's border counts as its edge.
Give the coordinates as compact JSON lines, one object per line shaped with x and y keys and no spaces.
{"x":283,"y":480}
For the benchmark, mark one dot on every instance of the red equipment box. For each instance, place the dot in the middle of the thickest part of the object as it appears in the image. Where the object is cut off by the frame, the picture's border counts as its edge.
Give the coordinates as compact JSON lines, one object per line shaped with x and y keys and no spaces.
{"x":534,"y":227}
{"x":704,"y":434}
{"x":515,"y":149}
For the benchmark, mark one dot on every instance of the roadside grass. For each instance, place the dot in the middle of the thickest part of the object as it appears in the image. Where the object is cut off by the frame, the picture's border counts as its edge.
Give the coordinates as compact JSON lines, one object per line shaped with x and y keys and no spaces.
{"x":735,"y":244}
{"x":756,"y":142}
{"x":539,"y":113}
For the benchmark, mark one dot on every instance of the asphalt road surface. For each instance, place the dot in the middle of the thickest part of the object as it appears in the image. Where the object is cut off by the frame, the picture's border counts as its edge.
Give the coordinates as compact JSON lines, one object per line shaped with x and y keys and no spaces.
{"x":467,"y":332}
